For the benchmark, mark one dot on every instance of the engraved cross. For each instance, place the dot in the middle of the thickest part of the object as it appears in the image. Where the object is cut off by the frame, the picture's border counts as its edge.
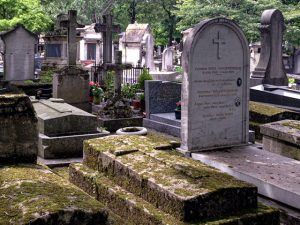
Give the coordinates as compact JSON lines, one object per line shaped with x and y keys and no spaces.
{"x":219,"y":41}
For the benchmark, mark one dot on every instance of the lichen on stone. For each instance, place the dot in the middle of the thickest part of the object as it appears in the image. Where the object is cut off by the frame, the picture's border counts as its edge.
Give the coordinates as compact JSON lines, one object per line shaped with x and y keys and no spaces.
{"x":31,"y":193}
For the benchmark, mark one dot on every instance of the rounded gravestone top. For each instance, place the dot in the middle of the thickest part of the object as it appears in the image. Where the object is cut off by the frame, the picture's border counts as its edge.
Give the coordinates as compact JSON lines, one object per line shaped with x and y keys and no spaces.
{"x":269,"y":14}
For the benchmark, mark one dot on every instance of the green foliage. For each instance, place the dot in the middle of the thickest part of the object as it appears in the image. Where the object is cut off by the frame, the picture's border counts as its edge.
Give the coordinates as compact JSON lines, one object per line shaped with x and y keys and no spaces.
{"x":145,"y":75}
{"x":46,"y":77}
{"x":109,"y":84}
{"x":128,"y":91}
{"x":246,"y":13}
{"x":26,"y":12}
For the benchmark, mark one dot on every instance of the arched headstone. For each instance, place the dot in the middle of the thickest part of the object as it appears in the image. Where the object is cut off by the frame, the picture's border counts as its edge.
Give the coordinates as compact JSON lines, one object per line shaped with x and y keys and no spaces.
{"x":270,"y":66}
{"x":215,"y":87}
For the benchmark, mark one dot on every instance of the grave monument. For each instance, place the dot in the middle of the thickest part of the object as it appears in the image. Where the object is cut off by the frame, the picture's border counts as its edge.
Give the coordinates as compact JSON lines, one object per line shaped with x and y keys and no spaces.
{"x":270,"y":68}
{"x":71,"y":83}
{"x":215,"y":87}
{"x":19,"y":48}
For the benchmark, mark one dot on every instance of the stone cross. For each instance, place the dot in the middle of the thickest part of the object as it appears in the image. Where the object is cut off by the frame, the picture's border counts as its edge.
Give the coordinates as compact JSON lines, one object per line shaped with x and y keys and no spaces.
{"x":107,"y":28}
{"x":219,"y":41}
{"x":270,"y":66}
{"x":71,"y":24}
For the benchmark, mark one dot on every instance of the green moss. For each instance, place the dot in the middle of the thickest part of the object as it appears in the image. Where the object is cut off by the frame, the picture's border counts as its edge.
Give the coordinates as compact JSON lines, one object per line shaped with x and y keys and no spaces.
{"x":135,"y":209}
{"x":292,"y":124}
{"x":167,"y":168}
{"x":264,"y":109}
{"x":30,"y":191}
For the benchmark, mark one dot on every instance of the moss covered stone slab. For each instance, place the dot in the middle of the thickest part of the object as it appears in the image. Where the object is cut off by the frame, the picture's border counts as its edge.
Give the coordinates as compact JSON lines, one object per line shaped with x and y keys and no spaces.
{"x":138,"y":211}
{"x":30,"y":194}
{"x":282,"y":137}
{"x":263,"y":113}
{"x":18,"y":129}
{"x":182,"y":187}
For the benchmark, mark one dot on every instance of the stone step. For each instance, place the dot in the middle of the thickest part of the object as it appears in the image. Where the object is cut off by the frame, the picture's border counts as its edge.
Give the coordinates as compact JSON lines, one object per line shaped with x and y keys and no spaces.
{"x":138,"y":211}
{"x":168,"y":118}
{"x":186,"y":189}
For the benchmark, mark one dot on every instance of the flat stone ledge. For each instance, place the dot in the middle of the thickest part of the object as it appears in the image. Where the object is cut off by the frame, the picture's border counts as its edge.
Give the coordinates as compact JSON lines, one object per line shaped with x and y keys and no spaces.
{"x":284,"y":130}
{"x":275,"y":176}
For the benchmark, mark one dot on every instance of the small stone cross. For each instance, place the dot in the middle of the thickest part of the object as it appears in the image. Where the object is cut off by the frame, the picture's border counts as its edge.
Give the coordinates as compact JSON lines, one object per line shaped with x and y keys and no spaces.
{"x":107,"y":28}
{"x":219,"y":41}
{"x":71,"y":24}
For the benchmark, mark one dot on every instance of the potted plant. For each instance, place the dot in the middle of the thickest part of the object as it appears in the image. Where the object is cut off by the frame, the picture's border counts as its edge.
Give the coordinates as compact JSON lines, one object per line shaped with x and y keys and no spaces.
{"x":178,"y":110}
{"x":97,"y":94}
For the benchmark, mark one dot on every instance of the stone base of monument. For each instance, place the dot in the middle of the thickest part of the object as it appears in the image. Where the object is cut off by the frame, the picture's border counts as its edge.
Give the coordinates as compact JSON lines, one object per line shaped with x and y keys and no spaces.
{"x":273,"y":174}
{"x":72,"y":85}
{"x":63,"y":128}
{"x":35,"y":195}
{"x":282,"y":138}
{"x":163,"y":122}
{"x":255,"y":81}
{"x":18,"y":129}
{"x":65,"y":146}
{"x":147,"y":182}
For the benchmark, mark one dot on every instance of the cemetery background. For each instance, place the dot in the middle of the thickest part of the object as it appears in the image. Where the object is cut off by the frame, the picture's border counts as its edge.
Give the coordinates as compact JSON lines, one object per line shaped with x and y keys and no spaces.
{"x":77,"y":169}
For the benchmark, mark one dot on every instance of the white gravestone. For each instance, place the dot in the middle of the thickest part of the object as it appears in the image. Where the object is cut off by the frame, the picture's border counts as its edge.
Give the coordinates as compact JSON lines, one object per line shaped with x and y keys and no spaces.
{"x":167,"y":59}
{"x":215,"y":85}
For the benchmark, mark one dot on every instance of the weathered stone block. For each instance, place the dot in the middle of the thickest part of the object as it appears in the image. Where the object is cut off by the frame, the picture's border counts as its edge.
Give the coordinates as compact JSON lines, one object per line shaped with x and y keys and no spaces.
{"x":282,"y":137}
{"x":176,"y":185}
{"x":138,"y":211}
{"x":18,"y":129}
{"x":31,"y":194}
{"x":113,"y":125}
{"x":72,"y":85}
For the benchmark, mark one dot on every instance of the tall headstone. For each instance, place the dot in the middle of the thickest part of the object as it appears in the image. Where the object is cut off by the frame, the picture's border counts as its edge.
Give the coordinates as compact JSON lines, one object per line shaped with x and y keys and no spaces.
{"x":19,"y":50}
{"x":270,"y":67}
{"x":71,"y":83}
{"x":215,"y":87}
{"x":167,"y":59}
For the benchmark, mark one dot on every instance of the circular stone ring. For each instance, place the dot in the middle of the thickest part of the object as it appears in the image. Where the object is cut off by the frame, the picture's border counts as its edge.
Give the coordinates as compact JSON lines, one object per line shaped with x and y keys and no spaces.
{"x":132,"y":131}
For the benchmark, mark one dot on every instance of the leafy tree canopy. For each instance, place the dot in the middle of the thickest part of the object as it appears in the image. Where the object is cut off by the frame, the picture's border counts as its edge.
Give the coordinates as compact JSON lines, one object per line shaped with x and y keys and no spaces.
{"x":26,"y":12}
{"x":246,"y":13}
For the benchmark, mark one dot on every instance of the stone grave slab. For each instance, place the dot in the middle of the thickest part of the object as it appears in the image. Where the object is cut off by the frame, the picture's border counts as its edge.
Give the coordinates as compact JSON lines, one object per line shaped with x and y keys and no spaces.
{"x":276,"y":176}
{"x":215,"y":86}
{"x":63,"y":128}
{"x":32,"y":194}
{"x":162,"y":181}
{"x":18,"y":129}
{"x":282,"y":137}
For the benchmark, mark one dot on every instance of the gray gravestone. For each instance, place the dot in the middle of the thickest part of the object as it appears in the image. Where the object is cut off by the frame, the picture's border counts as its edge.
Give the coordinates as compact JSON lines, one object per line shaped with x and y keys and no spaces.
{"x":167,"y":59}
{"x":215,"y":87}
{"x":19,"y":48}
{"x":161,"y":96}
{"x":270,"y":67}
